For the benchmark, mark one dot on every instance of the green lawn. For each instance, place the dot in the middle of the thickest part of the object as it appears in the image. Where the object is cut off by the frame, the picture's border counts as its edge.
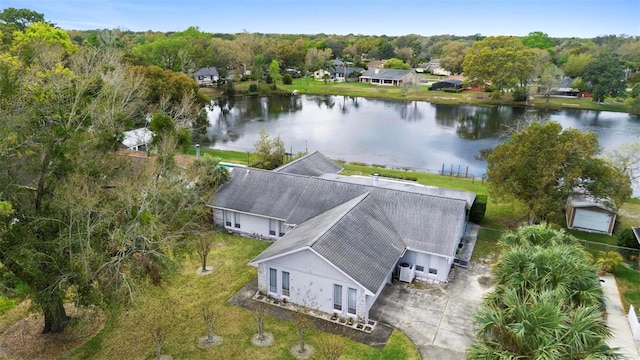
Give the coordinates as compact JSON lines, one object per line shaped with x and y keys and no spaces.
{"x":176,"y":307}
{"x":416,"y":93}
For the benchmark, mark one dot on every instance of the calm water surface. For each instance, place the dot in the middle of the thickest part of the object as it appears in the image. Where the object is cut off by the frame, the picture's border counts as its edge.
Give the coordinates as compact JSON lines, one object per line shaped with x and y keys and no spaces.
{"x":413,"y":134}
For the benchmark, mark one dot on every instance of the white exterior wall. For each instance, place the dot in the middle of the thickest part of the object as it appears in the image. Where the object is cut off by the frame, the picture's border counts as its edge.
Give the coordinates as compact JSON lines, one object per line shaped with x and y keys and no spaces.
{"x":311,"y":281}
{"x":439,"y":263}
{"x":249,"y":224}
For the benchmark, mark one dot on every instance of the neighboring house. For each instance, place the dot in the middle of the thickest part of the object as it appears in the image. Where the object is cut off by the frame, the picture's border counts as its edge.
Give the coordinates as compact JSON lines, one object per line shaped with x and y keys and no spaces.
{"x":342,"y":73}
{"x":206,"y":76}
{"x":320,"y":75}
{"x":433,"y":67}
{"x":340,"y":239}
{"x":584,"y":212}
{"x":564,"y":89}
{"x":137,"y":139}
{"x":375,"y":64}
{"x":447,"y":84}
{"x":390,"y":77}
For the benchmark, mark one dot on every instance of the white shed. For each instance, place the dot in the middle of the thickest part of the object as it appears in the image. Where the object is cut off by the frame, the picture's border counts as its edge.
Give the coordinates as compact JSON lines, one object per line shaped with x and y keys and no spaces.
{"x":586,"y":213}
{"x":137,"y":139}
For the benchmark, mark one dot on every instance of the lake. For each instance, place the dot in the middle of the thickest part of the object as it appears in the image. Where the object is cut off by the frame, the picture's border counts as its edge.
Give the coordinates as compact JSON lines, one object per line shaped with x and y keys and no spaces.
{"x":419,"y":135}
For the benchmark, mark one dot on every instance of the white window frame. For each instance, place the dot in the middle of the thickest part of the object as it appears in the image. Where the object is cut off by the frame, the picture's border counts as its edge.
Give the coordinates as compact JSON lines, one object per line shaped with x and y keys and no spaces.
{"x":286,"y":283}
{"x":352,"y":300}
{"x":337,"y":297}
{"x":273,"y":280}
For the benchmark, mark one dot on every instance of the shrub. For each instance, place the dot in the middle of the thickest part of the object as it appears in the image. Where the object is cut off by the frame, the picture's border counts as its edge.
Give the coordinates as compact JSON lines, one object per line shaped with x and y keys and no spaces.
{"x":268,"y":79}
{"x":287,"y":79}
{"x":520,"y":94}
{"x":627,"y":239}
{"x":253,"y":88}
{"x":635,"y":91}
{"x":229,"y":88}
{"x":609,"y":261}
{"x":478,"y":209}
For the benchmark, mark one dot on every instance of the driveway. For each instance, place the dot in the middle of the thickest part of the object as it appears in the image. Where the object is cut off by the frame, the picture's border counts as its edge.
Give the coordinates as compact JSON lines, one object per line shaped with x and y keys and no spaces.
{"x":438,"y":318}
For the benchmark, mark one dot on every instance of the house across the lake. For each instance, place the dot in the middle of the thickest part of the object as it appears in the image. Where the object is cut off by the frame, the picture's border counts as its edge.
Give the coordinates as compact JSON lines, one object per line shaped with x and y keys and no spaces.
{"x":339,"y":239}
{"x":206,"y":76}
{"x":390,"y":77}
{"x":447,"y":84}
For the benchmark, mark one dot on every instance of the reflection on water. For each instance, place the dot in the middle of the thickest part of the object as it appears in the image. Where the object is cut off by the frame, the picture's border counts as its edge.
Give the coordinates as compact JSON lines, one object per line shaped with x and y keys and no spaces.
{"x":397,"y":133}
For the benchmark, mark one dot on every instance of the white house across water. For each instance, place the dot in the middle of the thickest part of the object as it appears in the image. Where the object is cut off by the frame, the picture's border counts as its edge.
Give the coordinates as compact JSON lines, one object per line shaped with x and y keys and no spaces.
{"x":339,"y":239}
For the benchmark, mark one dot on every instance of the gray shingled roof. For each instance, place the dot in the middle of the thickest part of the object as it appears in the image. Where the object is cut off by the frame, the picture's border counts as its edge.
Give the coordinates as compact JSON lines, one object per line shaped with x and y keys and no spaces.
{"x":423,"y":221}
{"x":585,"y":200}
{"x":409,"y":186}
{"x":207,"y":71}
{"x":313,"y":164}
{"x":355,"y":236}
{"x":386,"y":74}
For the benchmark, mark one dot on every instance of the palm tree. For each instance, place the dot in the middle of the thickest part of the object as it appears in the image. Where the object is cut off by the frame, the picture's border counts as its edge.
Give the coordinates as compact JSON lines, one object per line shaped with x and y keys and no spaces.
{"x":547,"y":303}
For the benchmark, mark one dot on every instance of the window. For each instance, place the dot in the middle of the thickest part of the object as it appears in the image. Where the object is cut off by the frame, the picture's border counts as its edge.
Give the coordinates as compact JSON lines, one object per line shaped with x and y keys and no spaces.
{"x":337,"y":297}
{"x":419,"y":268}
{"x":227,"y":218}
{"x":273,"y":224}
{"x":351,"y":303}
{"x":236,"y":220}
{"x":285,"y":283}
{"x":273,"y":280}
{"x":433,"y":271}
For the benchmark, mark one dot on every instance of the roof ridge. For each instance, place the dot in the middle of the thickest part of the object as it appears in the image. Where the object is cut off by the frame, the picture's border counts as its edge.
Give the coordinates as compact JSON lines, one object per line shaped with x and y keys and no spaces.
{"x":294,"y":161}
{"x":356,"y":201}
{"x":398,"y":190}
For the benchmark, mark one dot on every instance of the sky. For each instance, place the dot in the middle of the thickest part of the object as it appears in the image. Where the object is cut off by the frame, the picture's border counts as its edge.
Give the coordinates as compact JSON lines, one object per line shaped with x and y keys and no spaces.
{"x":557,"y":18}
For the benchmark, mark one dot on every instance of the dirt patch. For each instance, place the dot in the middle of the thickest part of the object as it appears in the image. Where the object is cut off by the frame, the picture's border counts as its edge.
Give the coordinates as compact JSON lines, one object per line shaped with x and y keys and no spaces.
{"x":485,"y":281}
{"x":24,"y":339}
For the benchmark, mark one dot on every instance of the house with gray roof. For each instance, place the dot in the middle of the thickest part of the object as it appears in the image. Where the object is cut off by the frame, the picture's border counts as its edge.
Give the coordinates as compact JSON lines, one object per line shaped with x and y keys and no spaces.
{"x":314,"y":164}
{"x":206,"y":76}
{"x":390,"y":77}
{"x":339,"y":239}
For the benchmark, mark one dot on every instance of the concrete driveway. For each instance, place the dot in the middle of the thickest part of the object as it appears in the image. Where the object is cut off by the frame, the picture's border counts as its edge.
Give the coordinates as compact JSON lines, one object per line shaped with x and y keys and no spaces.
{"x":438,"y":318}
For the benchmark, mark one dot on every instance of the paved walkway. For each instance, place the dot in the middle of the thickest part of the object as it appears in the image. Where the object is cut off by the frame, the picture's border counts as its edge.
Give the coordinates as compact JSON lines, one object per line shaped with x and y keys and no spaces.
{"x":621,"y":336}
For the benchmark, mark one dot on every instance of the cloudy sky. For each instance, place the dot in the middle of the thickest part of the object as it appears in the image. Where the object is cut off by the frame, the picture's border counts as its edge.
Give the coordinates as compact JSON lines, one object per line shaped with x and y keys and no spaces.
{"x":558,"y":18}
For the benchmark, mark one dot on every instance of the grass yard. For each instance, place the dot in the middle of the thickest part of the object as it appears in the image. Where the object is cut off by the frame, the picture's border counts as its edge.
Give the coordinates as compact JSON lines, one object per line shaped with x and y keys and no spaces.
{"x":311,"y":86}
{"x":176,"y":308}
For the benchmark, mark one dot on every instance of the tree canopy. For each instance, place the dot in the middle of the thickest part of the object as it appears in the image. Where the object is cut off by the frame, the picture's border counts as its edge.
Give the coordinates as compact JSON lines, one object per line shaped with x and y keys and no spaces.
{"x":453,"y":55}
{"x":268,"y":153}
{"x":500,"y":60}
{"x":542,"y":164}
{"x":77,"y":219}
{"x":395,"y":63}
{"x":538,"y":39}
{"x":606,"y":76}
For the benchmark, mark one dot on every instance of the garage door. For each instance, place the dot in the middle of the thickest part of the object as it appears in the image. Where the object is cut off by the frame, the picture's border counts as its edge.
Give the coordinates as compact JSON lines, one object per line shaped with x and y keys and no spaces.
{"x":592,"y":220}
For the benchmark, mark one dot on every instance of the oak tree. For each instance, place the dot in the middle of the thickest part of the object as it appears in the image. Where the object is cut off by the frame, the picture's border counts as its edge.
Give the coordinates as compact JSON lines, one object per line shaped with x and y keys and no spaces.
{"x":543,"y":164}
{"x":606,"y":76}
{"x":500,"y":60}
